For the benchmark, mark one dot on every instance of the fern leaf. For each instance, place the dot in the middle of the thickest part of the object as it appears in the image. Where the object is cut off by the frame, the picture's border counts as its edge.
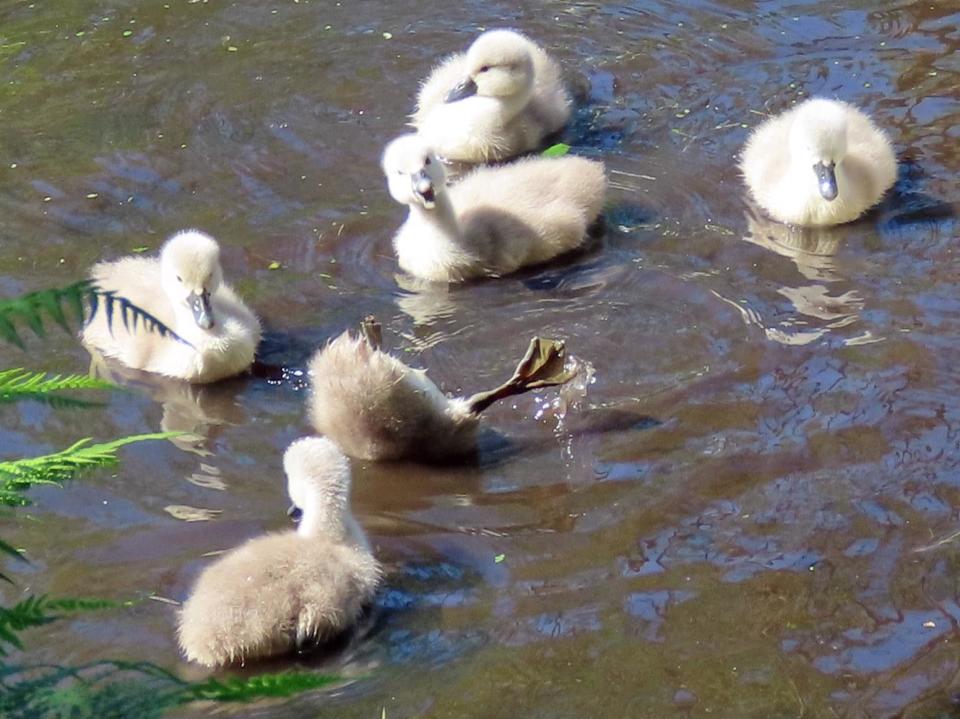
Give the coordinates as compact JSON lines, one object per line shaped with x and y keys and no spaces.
{"x":118,"y":689}
{"x":35,"y":611}
{"x":67,"y":304}
{"x":11,"y":551}
{"x":19,"y":384}
{"x":283,"y":684}
{"x":23,"y":615}
{"x":18,"y":475}
{"x":31,"y":308}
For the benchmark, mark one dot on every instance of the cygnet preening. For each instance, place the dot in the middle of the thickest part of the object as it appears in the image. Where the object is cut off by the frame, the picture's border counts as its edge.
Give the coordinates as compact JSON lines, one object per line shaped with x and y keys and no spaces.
{"x":217,"y":334}
{"x":821,"y":163}
{"x":376,"y":407}
{"x":279,"y":592}
{"x":499,"y":99}
{"x":496,"y":219}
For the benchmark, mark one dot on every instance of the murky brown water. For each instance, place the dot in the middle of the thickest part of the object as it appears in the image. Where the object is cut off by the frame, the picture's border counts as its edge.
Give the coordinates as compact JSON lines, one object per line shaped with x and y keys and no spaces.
{"x":738,"y":522}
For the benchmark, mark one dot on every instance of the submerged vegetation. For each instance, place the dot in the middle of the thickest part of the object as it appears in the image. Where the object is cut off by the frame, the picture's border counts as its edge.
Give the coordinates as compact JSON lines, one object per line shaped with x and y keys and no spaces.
{"x":105,"y":688}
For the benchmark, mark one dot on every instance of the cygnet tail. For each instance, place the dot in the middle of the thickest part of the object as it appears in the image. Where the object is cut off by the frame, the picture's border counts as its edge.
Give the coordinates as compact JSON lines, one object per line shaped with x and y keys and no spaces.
{"x":372,"y":331}
{"x":544,"y":365}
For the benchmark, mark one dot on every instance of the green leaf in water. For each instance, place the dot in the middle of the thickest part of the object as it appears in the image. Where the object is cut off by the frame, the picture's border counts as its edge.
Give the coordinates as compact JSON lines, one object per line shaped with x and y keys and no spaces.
{"x":266,"y":685}
{"x":499,"y":558}
{"x":19,"y":384}
{"x":11,"y":551}
{"x":35,"y":611}
{"x":558,"y":150}
{"x":18,"y":475}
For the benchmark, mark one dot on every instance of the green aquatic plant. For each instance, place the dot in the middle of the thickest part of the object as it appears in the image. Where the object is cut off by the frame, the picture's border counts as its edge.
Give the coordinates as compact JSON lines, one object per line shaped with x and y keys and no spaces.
{"x":282,"y":684}
{"x":58,"y":304}
{"x":20,"y":384}
{"x":104,"y":689}
{"x":558,"y":150}
{"x":35,"y":611}
{"x":114,"y":689}
{"x":18,"y":475}
{"x":12,"y":552}
{"x":73,"y":304}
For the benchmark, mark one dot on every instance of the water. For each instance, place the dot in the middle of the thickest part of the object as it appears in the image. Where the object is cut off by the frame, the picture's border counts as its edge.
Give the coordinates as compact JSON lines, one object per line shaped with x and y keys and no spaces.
{"x":742,"y":517}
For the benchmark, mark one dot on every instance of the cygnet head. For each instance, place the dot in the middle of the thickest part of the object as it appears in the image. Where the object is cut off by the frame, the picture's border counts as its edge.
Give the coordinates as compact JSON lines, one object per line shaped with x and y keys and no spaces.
{"x":818,"y":139}
{"x":499,"y":64}
{"x":414,"y":174}
{"x":318,"y":482}
{"x":190,"y":272}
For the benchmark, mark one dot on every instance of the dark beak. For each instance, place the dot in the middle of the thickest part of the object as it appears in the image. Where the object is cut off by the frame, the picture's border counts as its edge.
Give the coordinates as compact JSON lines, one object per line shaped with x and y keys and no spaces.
{"x":423,"y":188}
{"x":826,"y":180}
{"x":294,"y":513}
{"x":464,"y":89}
{"x":200,"y":304}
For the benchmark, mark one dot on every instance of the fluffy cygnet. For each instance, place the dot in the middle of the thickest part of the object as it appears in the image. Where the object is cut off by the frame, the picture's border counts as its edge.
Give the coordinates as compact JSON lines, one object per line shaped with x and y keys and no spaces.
{"x":496,"y":219}
{"x":185,"y":290}
{"x":499,"y":99}
{"x":376,"y":407}
{"x":276,"y":593}
{"x":822,"y":163}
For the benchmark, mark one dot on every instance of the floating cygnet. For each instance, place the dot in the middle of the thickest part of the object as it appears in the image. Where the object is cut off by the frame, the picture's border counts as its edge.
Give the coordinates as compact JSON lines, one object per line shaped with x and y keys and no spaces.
{"x":376,"y":407}
{"x":282,"y":591}
{"x":822,"y":163}
{"x":216,"y":335}
{"x":499,"y":99}
{"x":496,"y":219}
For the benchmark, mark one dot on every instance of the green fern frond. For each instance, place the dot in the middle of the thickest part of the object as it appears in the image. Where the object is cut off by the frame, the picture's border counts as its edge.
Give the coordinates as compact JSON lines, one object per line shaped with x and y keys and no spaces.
{"x":23,"y":615}
{"x":20,"y":474}
{"x":102,"y":690}
{"x":11,"y":551}
{"x":284,"y":684}
{"x":115,"y":689}
{"x":30,"y":309}
{"x":80,"y":302}
{"x":12,"y":498}
{"x":35,"y":611}
{"x":72,"y":605}
{"x":18,"y":384}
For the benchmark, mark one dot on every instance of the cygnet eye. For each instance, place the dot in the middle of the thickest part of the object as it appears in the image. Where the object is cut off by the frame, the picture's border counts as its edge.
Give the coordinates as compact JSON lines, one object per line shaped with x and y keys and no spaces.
{"x":426,"y":161}
{"x":484,"y":68}
{"x":179,"y":278}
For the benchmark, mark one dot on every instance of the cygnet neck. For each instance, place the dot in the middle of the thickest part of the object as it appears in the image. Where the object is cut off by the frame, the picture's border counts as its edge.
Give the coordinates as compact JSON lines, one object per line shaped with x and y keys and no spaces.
{"x":514,"y":105}
{"x":327,"y":515}
{"x":442,"y":216}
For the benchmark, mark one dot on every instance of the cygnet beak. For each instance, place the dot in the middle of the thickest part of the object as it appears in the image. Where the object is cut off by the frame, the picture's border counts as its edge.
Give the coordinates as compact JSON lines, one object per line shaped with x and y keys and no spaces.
{"x":200,"y":305}
{"x":826,"y":180}
{"x":295,"y":513}
{"x":466,"y":88}
{"x":423,"y":189}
